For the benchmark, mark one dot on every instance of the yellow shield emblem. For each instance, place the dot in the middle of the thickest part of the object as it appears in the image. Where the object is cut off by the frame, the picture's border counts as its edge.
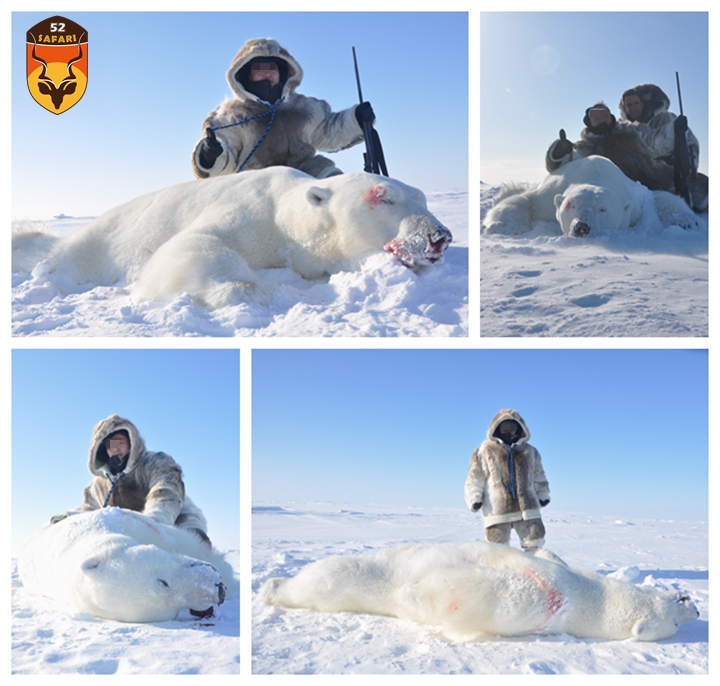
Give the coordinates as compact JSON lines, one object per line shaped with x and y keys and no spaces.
{"x":57,"y":63}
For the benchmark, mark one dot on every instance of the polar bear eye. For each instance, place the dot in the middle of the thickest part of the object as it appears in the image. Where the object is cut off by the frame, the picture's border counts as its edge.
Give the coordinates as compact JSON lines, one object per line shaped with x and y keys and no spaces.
{"x":164,"y":583}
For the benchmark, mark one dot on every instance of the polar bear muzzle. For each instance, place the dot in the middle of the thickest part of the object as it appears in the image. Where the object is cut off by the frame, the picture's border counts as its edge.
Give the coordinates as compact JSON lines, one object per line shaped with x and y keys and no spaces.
{"x":422,"y":241}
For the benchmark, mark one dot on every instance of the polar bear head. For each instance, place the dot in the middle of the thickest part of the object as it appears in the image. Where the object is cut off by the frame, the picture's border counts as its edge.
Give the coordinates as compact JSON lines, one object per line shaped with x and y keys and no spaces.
{"x":143,"y":583}
{"x":583,"y":208}
{"x":364,"y":212}
{"x":667,"y":611}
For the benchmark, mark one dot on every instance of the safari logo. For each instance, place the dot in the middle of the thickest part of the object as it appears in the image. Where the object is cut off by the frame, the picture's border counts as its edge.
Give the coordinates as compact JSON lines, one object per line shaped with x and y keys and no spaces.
{"x":57,"y":63}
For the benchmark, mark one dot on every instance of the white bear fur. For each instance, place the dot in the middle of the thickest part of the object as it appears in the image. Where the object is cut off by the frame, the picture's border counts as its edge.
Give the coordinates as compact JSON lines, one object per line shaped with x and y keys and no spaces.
{"x":588,"y":195}
{"x":119,"y":564}
{"x":474,"y":590}
{"x":210,"y":237}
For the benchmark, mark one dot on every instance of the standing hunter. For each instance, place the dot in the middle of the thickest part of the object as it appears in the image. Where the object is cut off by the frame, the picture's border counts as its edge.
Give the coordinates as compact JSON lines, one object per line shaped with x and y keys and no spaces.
{"x":267,"y":123}
{"x":506,"y":481}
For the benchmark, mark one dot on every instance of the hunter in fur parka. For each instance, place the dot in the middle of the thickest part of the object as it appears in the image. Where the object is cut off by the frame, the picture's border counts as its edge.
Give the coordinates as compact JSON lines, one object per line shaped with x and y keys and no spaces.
{"x":643,"y":153}
{"x":267,"y":123}
{"x":128,"y":475}
{"x":507,"y":482}
{"x":647,"y":105}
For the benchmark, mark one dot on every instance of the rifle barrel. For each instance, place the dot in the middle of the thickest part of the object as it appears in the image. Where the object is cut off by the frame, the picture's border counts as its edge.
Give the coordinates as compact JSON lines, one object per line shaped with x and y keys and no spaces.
{"x":677,"y":81}
{"x":357,"y":75}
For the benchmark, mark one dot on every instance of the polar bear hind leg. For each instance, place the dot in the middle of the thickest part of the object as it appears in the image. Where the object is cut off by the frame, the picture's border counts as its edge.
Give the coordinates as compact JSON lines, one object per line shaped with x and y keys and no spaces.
{"x":511,"y":214}
{"x":201,"y":264}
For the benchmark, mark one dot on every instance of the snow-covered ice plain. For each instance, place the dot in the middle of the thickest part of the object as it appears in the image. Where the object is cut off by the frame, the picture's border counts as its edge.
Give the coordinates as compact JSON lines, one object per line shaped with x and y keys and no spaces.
{"x":665,"y":554}
{"x":648,"y":281}
{"x":383,"y":298}
{"x":47,"y":641}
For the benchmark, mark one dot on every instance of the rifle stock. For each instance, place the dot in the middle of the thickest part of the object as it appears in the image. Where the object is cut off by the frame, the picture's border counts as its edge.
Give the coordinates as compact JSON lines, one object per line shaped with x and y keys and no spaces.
{"x":684,"y":165}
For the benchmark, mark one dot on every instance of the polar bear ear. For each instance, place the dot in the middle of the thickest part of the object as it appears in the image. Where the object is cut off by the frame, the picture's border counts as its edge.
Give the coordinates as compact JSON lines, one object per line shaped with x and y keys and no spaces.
{"x":317,"y":195}
{"x":558,"y":200}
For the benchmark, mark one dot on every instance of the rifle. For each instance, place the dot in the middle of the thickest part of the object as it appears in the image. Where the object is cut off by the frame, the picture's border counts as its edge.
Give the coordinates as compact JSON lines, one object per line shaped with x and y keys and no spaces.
{"x":684,"y":166}
{"x":374,"y":157}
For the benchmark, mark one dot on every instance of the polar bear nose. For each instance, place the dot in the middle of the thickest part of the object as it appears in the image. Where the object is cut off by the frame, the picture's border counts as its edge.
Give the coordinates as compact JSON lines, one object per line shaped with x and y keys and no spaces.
{"x":579,"y":229}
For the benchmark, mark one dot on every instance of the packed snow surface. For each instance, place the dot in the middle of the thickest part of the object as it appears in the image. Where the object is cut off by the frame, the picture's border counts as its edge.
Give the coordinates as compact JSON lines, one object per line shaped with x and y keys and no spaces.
{"x":646,"y":281}
{"x":45,"y":640}
{"x":663,"y":554}
{"x":383,"y":298}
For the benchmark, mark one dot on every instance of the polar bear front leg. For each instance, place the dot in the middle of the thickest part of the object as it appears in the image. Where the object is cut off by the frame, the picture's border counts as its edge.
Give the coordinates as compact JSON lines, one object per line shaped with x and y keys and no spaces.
{"x":206,"y":267}
{"x":674,"y":211}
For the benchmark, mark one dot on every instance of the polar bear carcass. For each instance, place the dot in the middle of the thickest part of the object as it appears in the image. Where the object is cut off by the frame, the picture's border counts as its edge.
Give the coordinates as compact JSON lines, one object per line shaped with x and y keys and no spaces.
{"x":209,"y":238}
{"x":472,"y":590}
{"x":119,"y":564}
{"x":587,"y":195}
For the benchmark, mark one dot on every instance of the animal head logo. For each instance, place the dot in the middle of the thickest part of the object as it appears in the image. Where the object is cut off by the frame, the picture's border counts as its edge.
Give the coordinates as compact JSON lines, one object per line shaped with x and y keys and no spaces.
{"x":57,"y":63}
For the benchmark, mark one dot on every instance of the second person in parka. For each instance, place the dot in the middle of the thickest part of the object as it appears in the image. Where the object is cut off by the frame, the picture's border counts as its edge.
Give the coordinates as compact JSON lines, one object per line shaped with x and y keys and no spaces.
{"x":507,"y":482}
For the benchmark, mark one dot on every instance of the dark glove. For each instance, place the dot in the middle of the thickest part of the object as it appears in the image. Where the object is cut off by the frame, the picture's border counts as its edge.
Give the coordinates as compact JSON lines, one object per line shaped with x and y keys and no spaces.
{"x":543,"y":503}
{"x":203,"y":536}
{"x":476,"y":506}
{"x":364,"y":114}
{"x":562,"y":147}
{"x":210,"y":149}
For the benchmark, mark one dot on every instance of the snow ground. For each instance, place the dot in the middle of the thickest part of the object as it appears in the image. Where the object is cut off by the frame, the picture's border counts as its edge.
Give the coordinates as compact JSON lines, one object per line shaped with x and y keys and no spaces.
{"x":648,"y":281}
{"x":286,"y":536}
{"x":383,"y":298}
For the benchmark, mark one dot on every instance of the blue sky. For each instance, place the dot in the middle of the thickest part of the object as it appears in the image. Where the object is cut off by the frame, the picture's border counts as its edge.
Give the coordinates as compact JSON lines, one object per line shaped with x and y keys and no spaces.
{"x":621,"y":432}
{"x":183,"y":402}
{"x":541,"y":70}
{"x":155,"y":76}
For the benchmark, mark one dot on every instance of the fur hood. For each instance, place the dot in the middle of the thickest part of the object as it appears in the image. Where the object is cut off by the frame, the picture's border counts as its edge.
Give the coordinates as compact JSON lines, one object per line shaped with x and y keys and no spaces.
{"x":97,"y":455}
{"x":654,"y":101}
{"x":262,"y":47}
{"x":502,"y":416}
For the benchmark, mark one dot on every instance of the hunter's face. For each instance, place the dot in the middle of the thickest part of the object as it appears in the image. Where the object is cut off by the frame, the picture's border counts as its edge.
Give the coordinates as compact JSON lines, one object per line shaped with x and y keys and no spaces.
{"x":633,"y":107}
{"x":117,"y":446}
{"x":599,"y":115}
{"x":260,"y":71}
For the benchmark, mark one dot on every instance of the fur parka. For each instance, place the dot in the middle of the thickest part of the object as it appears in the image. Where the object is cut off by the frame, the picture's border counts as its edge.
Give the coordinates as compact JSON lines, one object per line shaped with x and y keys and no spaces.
{"x":301,"y":124}
{"x":150,"y":483}
{"x":659,"y":136}
{"x":494,"y":475}
{"x":626,"y":147}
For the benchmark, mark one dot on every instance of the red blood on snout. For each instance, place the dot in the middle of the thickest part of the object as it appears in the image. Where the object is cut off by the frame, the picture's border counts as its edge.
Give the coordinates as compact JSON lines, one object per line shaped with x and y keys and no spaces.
{"x":374,"y":195}
{"x":568,"y":204}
